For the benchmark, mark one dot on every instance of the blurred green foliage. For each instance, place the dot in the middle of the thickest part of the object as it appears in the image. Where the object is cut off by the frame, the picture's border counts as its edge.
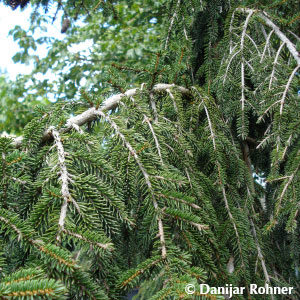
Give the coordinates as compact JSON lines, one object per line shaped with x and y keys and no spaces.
{"x":129,"y":34}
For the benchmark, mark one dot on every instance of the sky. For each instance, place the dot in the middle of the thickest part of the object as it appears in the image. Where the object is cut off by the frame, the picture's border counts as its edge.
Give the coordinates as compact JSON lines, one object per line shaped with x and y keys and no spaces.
{"x":8,"y":20}
{"x":8,"y":47}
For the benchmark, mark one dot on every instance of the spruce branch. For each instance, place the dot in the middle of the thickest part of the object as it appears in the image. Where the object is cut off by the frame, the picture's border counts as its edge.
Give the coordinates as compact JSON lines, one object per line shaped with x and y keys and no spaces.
{"x":200,"y":227}
{"x":141,"y":269}
{"x":146,"y":176}
{"x":285,"y":188}
{"x":263,"y":30}
{"x":173,"y":99}
{"x":287,"y":88}
{"x":243,"y":98}
{"x":171,"y":24}
{"x":250,"y":13}
{"x":233,"y":224}
{"x":42,"y":288}
{"x":19,"y":180}
{"x":264,"y":113}
{"x":4,"y":166}
{"x":264,"y":16}
{"x":23,"y":275}
{"x":65,"y":178}
{"x":186,"y":217}
{"x":111,"y":103}
{"x":77,"y":128}
{"x":288,"y":143}
{"x":229,"y":63}
{"x":153,"y":106}
{"x":260,"y":254}
{"x":282,"y":36}
{"x":212,"y":132}
{"x":25,"y":233}
{"x":294,"y":35}
{"x":272,"y":77}
{"x":254,"y":44}
{"x":251,"y":68}
{"x":231,"y":32}
{"x":13,"y":226}
{"x":266,"y":45}
{"x":146,"y":119}
{"x":107,"y":246}
{"x":219,"y":167}
{"x":191,"y":204}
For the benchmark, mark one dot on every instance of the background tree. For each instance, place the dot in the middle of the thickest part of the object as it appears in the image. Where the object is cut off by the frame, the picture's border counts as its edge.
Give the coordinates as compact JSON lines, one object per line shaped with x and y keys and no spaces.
{"x":141,"y":175}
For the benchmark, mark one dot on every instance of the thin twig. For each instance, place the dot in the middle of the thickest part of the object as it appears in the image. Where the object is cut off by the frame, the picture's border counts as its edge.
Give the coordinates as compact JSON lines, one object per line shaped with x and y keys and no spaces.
{"x":171,"y":24}
{"x":64,"y":177}
{"x":287,"y":88}
{"x":274,"y":65}
{"x":266,"y":45}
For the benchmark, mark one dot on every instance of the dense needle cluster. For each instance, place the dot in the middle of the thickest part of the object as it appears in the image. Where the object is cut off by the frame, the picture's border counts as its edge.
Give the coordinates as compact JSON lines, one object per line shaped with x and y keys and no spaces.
{"x":155,"y":187}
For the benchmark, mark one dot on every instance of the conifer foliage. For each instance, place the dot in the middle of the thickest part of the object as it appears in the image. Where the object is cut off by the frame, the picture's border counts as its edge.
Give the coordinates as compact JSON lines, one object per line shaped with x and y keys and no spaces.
{"x":156,"y":186}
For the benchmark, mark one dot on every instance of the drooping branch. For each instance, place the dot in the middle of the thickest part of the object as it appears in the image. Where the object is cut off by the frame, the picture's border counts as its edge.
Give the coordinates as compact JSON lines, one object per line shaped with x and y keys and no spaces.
{"x":287,"y":88}
{"x":285,"y":188}
{"x":263,"y":15}
{"x":213,"y":137}
{"x":273,"y":77}
{"x":230,"y":33}
{"x":282,"y":36}
{"x":243,"y":98}
{"x":64,"y":177}
{"x":146,"y":119}
{"x":147,"y":180}
{"x":173,"y":99}
{"x":191,"y":204}
{"x":106,"y":246}
{"x":113,"y":101}
{"x":200,"y":227}
{"x":229,"y":64}
{"x":266,"y":45}
{"x":92,"y":113}
{"x":171,"y":24}
{"x":28,"y":236}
